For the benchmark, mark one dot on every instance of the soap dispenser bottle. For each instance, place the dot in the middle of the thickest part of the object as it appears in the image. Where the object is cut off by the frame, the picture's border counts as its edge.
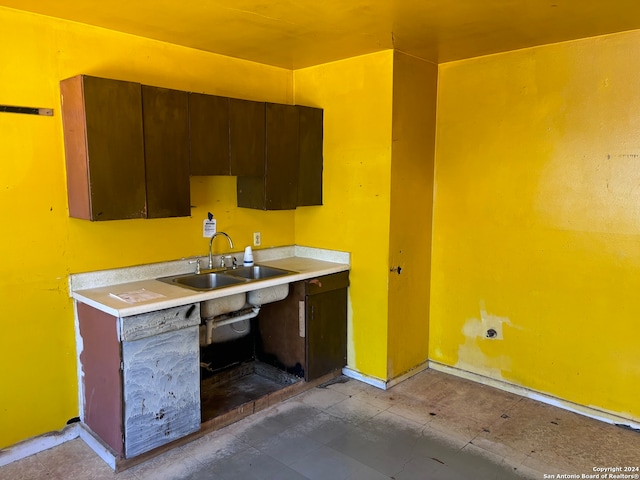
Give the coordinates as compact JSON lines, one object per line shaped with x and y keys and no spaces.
{"x":248,"y":257}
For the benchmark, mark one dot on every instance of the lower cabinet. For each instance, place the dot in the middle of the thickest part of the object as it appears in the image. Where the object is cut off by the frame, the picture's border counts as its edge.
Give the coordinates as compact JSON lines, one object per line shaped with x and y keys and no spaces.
{"x":141,"y":377}
{"x":326,"y":324}
{"x":306,"y":333}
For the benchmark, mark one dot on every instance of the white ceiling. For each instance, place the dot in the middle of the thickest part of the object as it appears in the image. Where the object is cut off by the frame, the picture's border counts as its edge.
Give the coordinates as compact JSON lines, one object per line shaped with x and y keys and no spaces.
{"x":299,"y":33}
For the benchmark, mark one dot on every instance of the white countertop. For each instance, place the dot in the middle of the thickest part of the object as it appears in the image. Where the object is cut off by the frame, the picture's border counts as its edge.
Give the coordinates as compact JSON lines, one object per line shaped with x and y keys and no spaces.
{"x":296,"y":259}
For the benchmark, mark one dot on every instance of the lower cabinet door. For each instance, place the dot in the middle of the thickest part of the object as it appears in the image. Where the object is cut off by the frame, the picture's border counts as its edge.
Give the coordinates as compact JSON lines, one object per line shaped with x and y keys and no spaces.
{"x":161,"y":391}
{"x":326,"y":332}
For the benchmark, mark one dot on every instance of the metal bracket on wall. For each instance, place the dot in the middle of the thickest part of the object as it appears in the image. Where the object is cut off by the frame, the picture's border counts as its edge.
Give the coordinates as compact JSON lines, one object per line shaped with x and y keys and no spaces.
{"x":27,"y":110}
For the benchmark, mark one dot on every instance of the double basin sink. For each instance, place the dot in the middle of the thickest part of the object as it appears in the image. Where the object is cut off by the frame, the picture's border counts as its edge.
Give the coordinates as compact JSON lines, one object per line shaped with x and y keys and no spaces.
{"x":213,"y":280}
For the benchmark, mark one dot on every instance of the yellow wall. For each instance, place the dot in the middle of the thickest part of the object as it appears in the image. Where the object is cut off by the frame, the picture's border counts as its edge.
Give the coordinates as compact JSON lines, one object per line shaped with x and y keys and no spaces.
{"x":41,"y":245}
{"x":414,"y":117}
{"x":356,"y":95}
{"x":537,"y":220}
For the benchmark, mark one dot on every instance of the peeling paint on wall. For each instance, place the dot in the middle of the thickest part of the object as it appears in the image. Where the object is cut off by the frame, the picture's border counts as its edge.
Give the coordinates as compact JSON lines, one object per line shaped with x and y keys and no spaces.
{"x":481,"y":350}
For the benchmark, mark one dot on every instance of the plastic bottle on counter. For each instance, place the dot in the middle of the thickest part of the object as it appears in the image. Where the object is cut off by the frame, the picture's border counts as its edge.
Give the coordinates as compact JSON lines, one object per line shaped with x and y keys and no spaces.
{"x":248,"y":257}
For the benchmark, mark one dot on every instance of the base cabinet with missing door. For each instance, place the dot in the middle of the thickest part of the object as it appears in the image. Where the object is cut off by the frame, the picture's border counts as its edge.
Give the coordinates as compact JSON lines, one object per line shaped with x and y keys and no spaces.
{"x":306,"y":333}
{"x":141,"y":377}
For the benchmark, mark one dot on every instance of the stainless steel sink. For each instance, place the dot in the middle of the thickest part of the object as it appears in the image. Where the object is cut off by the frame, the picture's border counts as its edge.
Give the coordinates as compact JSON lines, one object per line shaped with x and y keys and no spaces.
{"x":258,"y":272}
{"x":213,"y":280}
{"x":204,"y":281}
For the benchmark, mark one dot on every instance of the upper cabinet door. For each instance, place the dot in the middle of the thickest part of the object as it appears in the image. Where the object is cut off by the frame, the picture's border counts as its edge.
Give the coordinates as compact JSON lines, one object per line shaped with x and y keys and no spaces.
{"x":281,"y":179}
{"x":209,"y":135}
{"x":310,"y":166}
{"x":104,"y":147}
{"x":166,"y":144}
{"x":277,"y":189}
{"x":247,"y":137}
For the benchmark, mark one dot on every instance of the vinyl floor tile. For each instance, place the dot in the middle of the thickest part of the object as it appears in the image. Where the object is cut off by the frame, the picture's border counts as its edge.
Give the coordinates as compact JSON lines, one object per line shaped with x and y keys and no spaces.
{"x":327,"y":463}
{"x":26,"y":469}
{"x":252,"y":464}
{"x":290,"y":446}
{"x":353,"y":410}
{"x":322,"y":398}
{"x":323,"y":428}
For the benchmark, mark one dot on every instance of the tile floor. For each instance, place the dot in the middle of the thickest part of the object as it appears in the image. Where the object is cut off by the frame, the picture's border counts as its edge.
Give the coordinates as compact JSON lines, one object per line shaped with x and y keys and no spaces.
{"x":432,"y":426}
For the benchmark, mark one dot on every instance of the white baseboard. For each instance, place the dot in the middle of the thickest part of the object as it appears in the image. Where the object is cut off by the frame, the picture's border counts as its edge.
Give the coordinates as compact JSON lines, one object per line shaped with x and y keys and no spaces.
{"x":383,"y":384}
{"x":38,"y":444}
{"x":373,"y":381}
{"x":98,"y":448}
{"x":541,"y":397}
{"x":408,"y":374}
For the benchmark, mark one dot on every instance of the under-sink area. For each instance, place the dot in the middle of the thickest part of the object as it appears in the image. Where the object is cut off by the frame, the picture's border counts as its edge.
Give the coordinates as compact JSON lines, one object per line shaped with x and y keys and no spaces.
{"x":232,"y":372}
{"x":228,"y":317}
{"x":239,"y":385}
{"x":235,"y":371}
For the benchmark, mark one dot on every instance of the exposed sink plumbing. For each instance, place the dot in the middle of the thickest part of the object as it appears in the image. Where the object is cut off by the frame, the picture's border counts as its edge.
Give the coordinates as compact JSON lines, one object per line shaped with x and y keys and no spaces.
{"x":211,"y":242}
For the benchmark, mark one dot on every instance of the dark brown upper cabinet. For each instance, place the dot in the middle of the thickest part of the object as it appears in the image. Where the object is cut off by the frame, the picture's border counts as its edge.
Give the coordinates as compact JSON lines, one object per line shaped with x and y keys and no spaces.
{"x":247,"y":137}
{"x":277,"y":188}
{"x":310,"y":156}
{"x":209,"y":134}
{"x":104,"y":147}
{"x":166,"y":145}
{"x":131,"y":148}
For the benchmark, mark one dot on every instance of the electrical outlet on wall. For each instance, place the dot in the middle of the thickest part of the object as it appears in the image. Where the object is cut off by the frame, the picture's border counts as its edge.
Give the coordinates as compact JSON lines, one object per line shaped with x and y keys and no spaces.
{"x":257,"y":239}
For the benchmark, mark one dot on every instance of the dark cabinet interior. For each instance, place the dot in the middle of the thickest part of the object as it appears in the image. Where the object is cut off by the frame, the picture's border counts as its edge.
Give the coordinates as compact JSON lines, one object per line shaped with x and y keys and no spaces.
{"x":309,"y":341}
{"x":277,"y":187}
{"x":104,"y":147}
{"x":166,"y":145}
{"x":303,"y":336}
{"x":209,"y":134}
{"x":282,"y":325}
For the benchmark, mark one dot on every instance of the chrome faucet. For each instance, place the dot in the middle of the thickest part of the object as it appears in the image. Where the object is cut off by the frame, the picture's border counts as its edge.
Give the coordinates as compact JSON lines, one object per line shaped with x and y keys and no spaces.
{"x":211,"y":242}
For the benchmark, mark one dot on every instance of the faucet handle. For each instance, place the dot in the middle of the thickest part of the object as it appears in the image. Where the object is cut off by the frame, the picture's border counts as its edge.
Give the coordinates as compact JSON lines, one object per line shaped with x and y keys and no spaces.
{"x":223,"y":263}
{"x":197,"y":262}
